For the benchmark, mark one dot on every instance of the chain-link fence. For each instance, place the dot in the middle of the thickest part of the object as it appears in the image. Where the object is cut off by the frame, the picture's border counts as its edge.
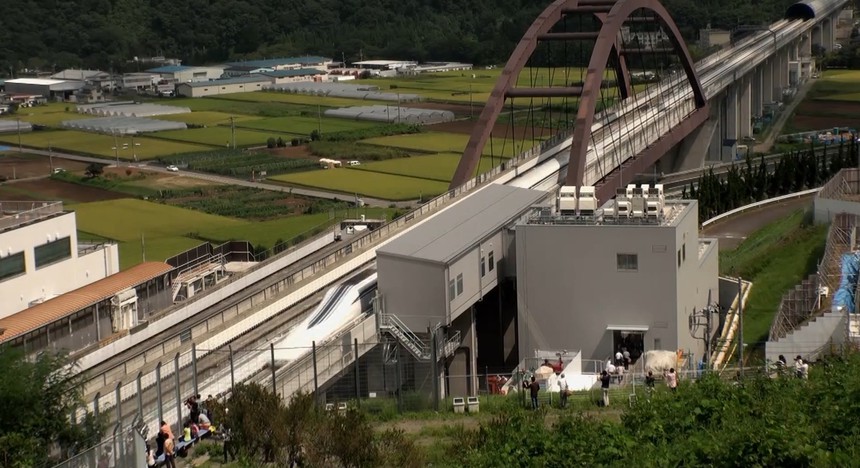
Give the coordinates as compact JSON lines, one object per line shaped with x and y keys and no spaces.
{"x":124,"y":447}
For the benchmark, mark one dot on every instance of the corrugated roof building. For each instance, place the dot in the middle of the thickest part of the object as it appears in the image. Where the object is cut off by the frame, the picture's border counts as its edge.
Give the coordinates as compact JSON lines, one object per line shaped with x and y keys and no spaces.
{"x":438,"y":270}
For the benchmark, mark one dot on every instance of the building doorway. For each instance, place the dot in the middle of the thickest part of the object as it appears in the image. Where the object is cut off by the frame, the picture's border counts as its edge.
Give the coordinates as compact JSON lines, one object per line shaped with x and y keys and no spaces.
{"x":632,"y":341}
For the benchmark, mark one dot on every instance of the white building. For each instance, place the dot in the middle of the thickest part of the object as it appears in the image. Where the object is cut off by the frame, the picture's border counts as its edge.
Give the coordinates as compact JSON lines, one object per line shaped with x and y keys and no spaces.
{"x":248,"y":67}
{"x":186,"y":74}
{"x":226,"y":86}
{"x":40,"y":257}
{"x":139,"y":81}
{"x":295,"y":75}
{"x":47,"y":88}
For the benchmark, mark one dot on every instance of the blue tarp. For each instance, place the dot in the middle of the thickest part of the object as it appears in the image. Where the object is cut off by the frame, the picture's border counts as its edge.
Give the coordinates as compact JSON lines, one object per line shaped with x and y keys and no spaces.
{"x":844,"y":296}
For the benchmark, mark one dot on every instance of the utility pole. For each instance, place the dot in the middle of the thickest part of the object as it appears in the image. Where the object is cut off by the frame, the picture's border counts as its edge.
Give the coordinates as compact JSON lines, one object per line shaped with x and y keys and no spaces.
{"x":51,"y":155}
{"x":18,"y":120}
{"x":398,"y":107}
{"x":115,"y":148}
{"x":232,"y":132}
{"x":319,"y":121}
{"x":740,"y":326}
{"x":470,"y":102}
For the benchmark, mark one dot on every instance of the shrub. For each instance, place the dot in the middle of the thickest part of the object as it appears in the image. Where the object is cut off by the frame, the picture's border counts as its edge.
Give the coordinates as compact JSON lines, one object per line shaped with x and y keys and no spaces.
{"x":271,"y":143}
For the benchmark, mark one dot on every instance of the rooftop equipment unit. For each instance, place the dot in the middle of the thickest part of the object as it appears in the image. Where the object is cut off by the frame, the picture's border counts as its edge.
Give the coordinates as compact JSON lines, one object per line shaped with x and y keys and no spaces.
{"x":567,"y":200}
{"x":587,"y":200}
{"x":653,"y":203}
{"x":623,"y":208}
{"x":638,"y":203}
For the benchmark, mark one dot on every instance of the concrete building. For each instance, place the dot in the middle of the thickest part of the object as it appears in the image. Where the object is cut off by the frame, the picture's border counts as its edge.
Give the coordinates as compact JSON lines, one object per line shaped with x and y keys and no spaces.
{"x":431,"y":277}
{"x":96,"y":78}
{"x":284,"y":63}
{"x":186,"y":74}
{"x":714,"y":37}
{"x":139,"y":81}
{"x":236,"y":71}
{"x":294,"y":75}
{"x":597,"y":283}
{"x":49,"y":89}
{"x":40,"y":257}
{"x":226,"y":86}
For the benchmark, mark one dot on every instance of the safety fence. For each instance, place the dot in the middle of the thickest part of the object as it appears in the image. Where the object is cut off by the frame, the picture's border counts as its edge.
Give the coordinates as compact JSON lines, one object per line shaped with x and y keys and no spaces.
{"x":124,"y":447}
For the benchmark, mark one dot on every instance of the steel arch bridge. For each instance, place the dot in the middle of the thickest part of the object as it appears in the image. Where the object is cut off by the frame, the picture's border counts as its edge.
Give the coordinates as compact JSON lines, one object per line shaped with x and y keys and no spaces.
{"x":623,"y":36}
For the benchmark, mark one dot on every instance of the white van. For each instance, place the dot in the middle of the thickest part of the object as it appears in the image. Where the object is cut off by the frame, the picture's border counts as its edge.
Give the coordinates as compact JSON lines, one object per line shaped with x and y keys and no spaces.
{"x":354,"y":163}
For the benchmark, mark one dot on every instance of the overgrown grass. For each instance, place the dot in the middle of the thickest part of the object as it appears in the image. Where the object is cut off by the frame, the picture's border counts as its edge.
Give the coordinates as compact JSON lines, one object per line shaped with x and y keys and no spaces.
{"x":372,"y":184}
{"x":350,"y":150}
{"x":775,"y":259}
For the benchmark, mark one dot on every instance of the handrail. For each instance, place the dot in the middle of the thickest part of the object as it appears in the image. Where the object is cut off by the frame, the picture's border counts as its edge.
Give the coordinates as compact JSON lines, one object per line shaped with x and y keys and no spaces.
{"x":759,"y":204}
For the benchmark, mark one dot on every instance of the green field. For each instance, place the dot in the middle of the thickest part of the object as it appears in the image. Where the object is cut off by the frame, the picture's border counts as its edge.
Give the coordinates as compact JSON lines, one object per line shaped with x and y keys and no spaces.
{"x":235,"y":107}
{"x":101,"y":145}
{"x":48,"y":119}
{"x":166,"y":229}
{"x":439,"y":167}
{"x":837,"y":85}
{"x":293,"y":98}
{"x":371,"y":184}
{"x":207,"y":118}
{"x":219,"y":136}
{"x":305,"y":125}
{"x":438,"y":142}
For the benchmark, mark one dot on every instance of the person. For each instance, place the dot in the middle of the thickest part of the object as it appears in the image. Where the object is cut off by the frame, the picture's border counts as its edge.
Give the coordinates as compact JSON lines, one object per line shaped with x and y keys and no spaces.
{"x":150,"y":456}
{"x":649,"y":381}
{"x":619,"y":358}
{"x":798,"y":367}
{"x":203,"y":422}
{"x":104,"y":459}
{"x":626,"y":355}
{"x":227,"y":437}
{"x":165,"y":428}
{"x":610,"y":367}
{"x":169,"y":453}
{"x":604,"y":385}
{"x":672,"y":379}
{"x":159,"y":443}
{"x":804,"y":371}
{"x":534,"y":388}
{"x":563,"y":391}
{"x":186,"y":431}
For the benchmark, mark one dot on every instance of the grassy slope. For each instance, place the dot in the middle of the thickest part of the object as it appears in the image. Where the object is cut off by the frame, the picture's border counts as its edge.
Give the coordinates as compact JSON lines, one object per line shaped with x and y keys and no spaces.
{"x":775,"y":259}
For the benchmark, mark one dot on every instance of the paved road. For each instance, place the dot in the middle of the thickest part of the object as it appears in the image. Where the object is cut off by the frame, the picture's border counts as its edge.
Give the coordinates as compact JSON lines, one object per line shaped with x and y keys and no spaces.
{"x":224,"y":180}
{"x":776,"y":129}
{"x":735,"y":229}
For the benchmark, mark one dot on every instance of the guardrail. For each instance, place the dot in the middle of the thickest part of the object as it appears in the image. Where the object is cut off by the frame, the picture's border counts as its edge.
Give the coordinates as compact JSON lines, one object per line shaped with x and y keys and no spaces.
{"x":751,"y":206}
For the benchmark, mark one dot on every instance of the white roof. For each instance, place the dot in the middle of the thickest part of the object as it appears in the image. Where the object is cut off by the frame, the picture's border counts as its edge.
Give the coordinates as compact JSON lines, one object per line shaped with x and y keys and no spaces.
{"x":35,"y":81}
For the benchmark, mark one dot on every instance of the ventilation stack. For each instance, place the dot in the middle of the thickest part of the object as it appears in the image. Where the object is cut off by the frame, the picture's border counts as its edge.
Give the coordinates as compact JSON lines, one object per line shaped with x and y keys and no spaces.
{"x":567,"y":200}
{"x":587,"y":200}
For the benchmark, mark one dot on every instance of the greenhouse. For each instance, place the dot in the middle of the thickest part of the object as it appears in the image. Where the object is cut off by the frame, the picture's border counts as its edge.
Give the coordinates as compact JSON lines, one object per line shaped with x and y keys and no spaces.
{"x":392,"y":114}
{"x":123,"y":125}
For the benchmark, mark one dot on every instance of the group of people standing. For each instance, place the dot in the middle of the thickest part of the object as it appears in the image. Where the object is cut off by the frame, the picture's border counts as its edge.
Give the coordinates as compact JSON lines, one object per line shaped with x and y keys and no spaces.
{"x":200,"y":419}
{"x":801,"y":367}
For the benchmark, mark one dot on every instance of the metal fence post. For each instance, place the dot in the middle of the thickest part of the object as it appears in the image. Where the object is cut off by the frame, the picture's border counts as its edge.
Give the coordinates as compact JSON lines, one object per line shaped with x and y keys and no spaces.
{"x":397,"y":372}
{"x":194,"y":367}
{"x":118,"y":399}
{"x":158,"y":392}
{"x":274,"y":381}
{"x":232,"y":376}
{"x":140,"y":394}
{"x":316,"y":379}
{"x":434,"y":365}
{"x":177,"y":392}
{"x":355,"y":367}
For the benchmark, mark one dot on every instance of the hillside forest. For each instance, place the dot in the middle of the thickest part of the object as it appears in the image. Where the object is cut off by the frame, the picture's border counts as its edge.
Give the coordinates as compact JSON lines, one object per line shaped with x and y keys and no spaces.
{"x":107,"y":34}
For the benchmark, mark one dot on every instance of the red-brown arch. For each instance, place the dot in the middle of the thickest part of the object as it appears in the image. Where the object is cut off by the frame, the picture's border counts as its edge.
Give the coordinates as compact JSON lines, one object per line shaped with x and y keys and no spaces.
{"x":605,"y":48}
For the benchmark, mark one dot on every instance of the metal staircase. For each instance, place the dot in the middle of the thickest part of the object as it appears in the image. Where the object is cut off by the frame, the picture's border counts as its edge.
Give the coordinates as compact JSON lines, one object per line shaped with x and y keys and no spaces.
{"x":413,"y":343}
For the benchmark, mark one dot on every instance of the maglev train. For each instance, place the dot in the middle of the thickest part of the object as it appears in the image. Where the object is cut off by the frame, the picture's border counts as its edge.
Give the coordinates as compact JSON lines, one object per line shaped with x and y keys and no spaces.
{"x":341,"y":305}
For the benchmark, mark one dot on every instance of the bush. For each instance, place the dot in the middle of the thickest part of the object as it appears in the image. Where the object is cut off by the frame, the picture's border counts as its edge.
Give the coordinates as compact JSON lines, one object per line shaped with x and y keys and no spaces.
{"x":295,"y":142}
{"x":373,"y":132}
{"x":352,"y":150}
{"x":271,"y":143}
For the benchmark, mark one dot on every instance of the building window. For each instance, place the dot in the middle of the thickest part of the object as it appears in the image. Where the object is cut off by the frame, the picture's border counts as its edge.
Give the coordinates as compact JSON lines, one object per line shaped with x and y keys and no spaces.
{"x":492,"y":261}
{"x":53,"y":252}
{"x":12,"y":266}
{"x":452,"y":290}
{"x":483,"y":268}
{"x":628,"y":262}
{"x":684,"y":253}
{"x":459,"y":284}
{"x":679,"y":259}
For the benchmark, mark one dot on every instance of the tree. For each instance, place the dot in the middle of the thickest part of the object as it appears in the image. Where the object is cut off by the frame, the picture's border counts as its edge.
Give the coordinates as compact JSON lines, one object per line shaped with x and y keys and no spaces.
{"x":271,"y":142}
{"x":95,"y":170}
{"x":315,"y":135}
{"x":37,"y":399}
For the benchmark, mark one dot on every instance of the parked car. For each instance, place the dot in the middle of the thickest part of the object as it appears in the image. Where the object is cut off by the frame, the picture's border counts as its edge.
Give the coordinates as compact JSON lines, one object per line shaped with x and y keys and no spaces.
{"x":59,"y":170}
{"x":172,"y":168}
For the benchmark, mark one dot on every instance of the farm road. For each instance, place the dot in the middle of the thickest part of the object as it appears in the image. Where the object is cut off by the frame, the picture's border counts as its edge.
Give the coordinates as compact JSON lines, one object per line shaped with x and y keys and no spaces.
{"x":225,"y":180}
{"x":733,"y":230}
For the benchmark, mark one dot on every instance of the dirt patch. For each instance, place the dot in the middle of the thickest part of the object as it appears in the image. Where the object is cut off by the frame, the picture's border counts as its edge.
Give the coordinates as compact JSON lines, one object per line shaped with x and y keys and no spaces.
{"x":805,"y":123}
{"x":23,"y":166}
{"x":51,"y":189}
{"x":500,"y":130}
{"x":156,"y":180}
{"x":820,"y":114}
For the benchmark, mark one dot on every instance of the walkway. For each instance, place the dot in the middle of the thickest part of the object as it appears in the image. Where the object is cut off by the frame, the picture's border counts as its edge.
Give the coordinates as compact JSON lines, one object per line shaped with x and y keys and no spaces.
{"x":733,"y":230}
{"x":776,"y":129}
{"x":225,"y":180}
